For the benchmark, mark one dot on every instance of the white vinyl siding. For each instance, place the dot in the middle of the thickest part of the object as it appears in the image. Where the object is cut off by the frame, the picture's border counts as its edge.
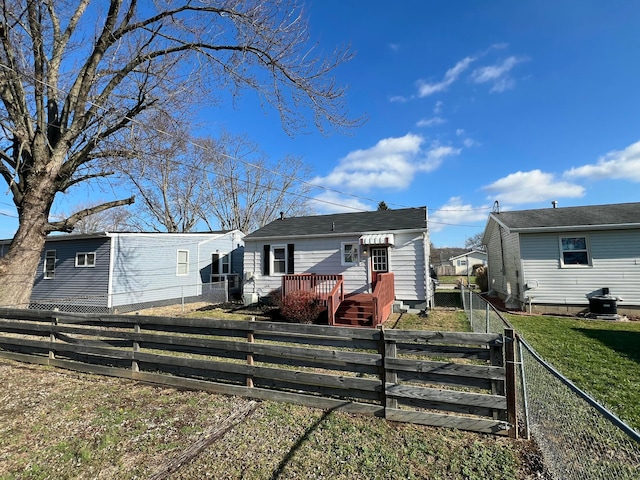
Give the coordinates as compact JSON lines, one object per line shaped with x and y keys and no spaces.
{"x":323,"y":255}
{"x":615,"y":264}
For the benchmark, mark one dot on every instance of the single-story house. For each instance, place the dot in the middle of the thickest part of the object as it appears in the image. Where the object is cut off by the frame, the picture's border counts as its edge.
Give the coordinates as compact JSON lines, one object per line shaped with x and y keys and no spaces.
{"x":554,"y":260}
{"x":465,"y":262}
{"x":358,"y":249}
{"x":119,"y":272}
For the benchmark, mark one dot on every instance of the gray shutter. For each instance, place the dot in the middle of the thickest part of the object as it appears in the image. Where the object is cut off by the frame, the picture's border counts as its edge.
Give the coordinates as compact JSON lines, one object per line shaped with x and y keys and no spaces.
{"x":290,"y":267}
{"x":266,"y":253}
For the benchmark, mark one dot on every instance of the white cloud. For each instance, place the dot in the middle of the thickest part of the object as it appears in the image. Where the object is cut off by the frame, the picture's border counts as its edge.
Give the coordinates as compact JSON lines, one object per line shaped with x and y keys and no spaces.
{"x":455,"y":212}
{"x":497,"y":74}
{"x":398,"y":99}
{"x":618,"y":164}
{"x":437,"y":108}
{"x":390,"y":164}
{"x":430,"y":122}
{"x":332,"y":202}
{"x":425,"y":89}
{"x":531,"y":187}
{"x":394,"y":46}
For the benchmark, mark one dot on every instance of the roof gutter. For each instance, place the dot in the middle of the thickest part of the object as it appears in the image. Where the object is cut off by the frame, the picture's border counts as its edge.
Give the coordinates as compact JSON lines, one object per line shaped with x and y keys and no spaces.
{"x":342,"y":234}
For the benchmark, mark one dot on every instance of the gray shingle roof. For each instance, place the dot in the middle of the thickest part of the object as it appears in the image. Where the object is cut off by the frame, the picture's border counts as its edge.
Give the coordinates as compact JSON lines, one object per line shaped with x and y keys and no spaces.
{"x":622,"y":214}
{"x":358,"y":222}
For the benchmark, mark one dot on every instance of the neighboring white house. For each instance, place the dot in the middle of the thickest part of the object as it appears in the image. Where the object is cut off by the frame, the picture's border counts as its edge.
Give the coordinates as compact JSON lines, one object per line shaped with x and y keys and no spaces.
{"x":554,"y":259}
{"x":465,"y":262}
{"x":357,"y":246}
{"x":108,"y":272}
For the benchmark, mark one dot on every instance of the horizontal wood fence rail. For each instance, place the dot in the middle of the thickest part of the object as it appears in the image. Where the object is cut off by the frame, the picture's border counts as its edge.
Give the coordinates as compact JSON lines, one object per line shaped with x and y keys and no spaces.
{"x":433,"y":378}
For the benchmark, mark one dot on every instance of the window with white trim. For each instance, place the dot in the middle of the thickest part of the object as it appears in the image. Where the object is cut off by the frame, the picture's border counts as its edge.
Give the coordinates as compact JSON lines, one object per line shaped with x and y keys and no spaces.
{"x":49,"y":267}
{"x":278,"y":259}
{"x":183,"y":263}
{"x":349,"y":254}
{"x":462,"y":262}
{"x":574,"y":251}
{"x":225,"y":264}
{"x":86,"y":259}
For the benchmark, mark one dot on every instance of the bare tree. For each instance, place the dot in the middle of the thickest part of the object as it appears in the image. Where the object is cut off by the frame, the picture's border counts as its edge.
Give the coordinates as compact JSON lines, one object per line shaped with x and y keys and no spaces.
{"x":475,"y":242}
{"x":248,"y":191}
{"x":111,"y":220}
{"x":168,"y":174}
{"x":75,"y":75}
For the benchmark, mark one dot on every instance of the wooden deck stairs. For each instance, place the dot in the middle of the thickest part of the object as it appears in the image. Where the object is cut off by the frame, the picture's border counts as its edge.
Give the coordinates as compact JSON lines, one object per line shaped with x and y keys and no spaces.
{"x":356,"y":310}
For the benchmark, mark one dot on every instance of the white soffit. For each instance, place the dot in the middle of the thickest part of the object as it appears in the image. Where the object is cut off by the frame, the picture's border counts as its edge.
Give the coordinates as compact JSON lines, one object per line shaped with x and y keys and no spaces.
{"x":377,"y":239}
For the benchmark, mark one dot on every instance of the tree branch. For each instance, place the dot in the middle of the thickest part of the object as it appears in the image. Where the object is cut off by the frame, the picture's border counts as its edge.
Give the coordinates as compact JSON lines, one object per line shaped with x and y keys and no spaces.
{"x":69,"y":223}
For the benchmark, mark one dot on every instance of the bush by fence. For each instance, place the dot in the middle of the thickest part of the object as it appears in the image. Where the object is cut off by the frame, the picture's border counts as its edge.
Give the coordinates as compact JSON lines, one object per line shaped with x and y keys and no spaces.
{"x":579,"y":438}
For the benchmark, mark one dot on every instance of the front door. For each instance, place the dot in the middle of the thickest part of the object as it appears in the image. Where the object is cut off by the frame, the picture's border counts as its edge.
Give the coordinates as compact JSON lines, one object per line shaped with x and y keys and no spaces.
{"x":379,"y":263}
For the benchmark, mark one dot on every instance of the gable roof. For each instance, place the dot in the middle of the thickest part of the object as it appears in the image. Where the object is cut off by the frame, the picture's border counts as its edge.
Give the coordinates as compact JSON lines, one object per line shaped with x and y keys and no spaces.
{"x":612,"y":216}
{"x":343,"y":223}
{"x":469,"y":253}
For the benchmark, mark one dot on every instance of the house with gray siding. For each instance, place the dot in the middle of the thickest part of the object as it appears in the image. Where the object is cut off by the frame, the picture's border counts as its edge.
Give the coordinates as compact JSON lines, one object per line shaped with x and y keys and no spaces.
{"x":553,"y":260}
{"x":118,"y":272}
{"x":356,"y":246}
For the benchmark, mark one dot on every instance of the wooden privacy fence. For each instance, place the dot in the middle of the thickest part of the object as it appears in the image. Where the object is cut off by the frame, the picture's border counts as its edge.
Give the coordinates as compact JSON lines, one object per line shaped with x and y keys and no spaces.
{"x":447,"y":379}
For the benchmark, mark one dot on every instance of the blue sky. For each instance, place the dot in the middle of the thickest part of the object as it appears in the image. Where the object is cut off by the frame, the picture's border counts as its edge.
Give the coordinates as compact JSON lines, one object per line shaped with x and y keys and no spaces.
{"x":467,"y":103}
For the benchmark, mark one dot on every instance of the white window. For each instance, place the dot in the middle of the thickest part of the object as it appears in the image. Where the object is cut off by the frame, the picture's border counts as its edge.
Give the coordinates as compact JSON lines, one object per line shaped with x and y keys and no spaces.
{"x":86,"y":259}
{"x":49,"y":268}
{"x":462,"y":263}
{"x":278,"y":260}
{"x":350,"y":253}
{"x":183,"y":262}
{"x":225,"y":265}
{"x":574,"y":251}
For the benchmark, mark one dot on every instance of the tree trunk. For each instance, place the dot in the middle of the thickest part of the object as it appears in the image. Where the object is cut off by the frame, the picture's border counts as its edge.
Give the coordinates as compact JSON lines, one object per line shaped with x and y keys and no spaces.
{"x":18,"y":266}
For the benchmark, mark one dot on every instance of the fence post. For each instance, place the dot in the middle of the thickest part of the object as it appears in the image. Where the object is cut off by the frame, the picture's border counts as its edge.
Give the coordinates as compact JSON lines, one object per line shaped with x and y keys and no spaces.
{"x":182,"y":297}
{"x":486,"y":308}
{"x":52,"y":335}
{"x":389,"y":350}
{"x":510,"y":380}
{"x":250,"y":339}
{"x":136,"y":348}
{"x":470,"y":303}
{"x":496,"y":358}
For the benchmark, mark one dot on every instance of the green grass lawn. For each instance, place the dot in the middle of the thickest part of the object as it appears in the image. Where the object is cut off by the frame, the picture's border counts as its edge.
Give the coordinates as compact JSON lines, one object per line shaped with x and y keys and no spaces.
{"x":600,"y":357}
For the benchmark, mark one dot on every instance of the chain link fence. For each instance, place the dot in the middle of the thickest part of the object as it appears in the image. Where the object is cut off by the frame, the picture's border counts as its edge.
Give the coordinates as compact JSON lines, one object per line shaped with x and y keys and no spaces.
{"x":130,"y":301}
{"x":579,"y":439}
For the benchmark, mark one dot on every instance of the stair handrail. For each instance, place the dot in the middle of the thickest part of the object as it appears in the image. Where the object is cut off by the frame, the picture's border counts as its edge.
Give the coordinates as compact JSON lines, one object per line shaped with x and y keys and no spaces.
{"x":334,"y":299}
{"x":383,"y":297}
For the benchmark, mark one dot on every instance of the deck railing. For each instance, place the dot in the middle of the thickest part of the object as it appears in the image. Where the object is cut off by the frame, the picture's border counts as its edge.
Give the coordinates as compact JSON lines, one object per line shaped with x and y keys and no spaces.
{"x":383,"y":297}
{"x":335,"y":298}
{"x":321,"y":285}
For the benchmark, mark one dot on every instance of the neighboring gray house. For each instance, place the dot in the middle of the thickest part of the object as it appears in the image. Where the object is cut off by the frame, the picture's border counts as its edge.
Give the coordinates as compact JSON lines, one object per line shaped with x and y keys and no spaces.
{"x":554,"y":259}
{"x":117,"y":272}
{"x":465,"y":262}
{"x":358,"y":246}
